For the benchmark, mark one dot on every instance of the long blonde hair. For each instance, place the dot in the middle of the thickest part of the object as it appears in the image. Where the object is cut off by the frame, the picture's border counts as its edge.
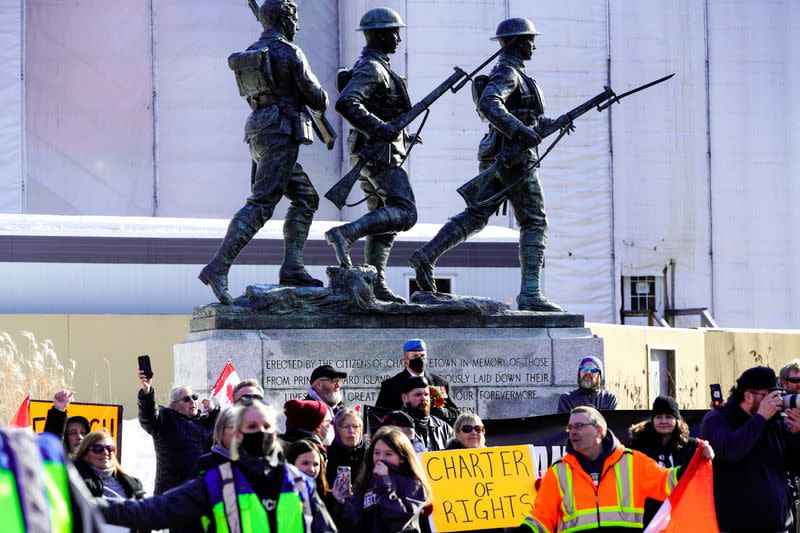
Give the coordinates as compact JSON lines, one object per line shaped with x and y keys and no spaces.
{"x":93,"y":438}
{"x":409,"y":463}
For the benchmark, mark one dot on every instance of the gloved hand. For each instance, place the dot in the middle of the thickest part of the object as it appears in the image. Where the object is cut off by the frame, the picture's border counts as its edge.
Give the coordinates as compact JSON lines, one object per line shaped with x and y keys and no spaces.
{"x":387,"y":131}
{"x":528,"y":136}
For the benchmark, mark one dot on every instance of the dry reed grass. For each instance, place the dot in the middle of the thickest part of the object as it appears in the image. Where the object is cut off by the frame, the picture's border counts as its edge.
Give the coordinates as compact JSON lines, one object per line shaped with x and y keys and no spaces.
{"x":31,"y":369}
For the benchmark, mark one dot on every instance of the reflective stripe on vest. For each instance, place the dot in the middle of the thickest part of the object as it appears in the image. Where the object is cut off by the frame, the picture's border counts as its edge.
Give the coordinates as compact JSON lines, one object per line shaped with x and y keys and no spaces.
{"x":236,"y":508}
{"x":624,"y":514}
{"x":534,"y":525}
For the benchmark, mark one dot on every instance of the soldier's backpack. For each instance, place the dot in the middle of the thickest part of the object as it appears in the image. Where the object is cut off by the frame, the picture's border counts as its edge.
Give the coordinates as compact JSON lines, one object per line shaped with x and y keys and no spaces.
{"x":253,"y":71}
{"x":479,"y":84}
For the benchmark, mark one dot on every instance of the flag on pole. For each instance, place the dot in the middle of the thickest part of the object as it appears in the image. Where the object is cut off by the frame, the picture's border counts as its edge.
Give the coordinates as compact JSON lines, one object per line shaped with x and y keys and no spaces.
{"x":223,"y":388}
{"x":23,"y":417}
{"x":690,"y":507}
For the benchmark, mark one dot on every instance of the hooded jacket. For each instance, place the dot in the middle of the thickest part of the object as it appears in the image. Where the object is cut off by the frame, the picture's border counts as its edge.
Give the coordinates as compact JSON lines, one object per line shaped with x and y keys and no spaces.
{"x":752,"y":457}
{"x":568,"y":499}
{"x":393,"y":504}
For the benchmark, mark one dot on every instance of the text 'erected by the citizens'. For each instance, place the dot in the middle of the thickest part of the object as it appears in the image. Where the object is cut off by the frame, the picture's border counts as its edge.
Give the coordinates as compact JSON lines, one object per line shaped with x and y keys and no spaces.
{"x":481,"y":488}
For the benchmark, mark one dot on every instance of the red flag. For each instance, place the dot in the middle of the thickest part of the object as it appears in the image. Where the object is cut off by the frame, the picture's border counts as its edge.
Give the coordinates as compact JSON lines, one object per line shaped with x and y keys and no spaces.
{"x":223,"y":388}
{"x":690,"y":507}
{"x":23,"y":417}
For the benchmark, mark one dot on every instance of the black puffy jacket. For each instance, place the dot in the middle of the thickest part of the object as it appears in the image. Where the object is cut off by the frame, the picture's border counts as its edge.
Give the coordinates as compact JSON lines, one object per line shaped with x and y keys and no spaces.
{"x":179,"y":440}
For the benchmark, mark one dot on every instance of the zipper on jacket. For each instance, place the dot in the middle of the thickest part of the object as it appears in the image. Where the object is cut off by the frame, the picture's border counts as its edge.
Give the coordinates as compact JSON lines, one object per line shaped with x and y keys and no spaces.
{"x":600,"y":480}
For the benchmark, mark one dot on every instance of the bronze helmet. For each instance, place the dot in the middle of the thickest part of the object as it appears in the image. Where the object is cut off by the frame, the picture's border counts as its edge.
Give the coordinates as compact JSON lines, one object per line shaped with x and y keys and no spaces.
{"x":513,"y":27}
{"x":379,"y":18}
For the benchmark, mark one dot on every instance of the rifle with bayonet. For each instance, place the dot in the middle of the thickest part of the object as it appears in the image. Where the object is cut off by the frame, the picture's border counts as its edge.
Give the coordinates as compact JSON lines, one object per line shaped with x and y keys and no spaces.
{"x":377,"y":145}
{"x":319,"y":122}
{"x":514,"y":152}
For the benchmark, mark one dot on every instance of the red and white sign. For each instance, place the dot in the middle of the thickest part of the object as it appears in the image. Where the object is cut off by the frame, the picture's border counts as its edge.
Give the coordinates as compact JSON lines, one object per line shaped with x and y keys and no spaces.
{"x":223,"y":388}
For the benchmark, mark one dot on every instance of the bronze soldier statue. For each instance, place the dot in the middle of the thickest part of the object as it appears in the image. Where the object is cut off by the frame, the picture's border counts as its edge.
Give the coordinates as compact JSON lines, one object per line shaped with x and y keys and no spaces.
{"x":513,"y":105}
{"x":373,"y":97}
{"x":276,"y":81}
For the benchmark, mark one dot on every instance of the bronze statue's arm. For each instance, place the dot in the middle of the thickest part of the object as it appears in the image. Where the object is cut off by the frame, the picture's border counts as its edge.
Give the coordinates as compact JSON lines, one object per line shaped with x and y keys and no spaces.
{"x":362,"y":85}
{"x":502,"y":84}
{"x":307,"y":83}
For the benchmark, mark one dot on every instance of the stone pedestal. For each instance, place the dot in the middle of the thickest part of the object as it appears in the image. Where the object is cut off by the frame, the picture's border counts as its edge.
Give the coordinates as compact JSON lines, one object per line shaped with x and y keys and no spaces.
{"x":500,"y":372}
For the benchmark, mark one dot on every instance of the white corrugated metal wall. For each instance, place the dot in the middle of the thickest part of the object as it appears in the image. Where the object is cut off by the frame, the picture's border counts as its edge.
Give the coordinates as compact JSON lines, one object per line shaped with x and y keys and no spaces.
{"x":627,"y":193}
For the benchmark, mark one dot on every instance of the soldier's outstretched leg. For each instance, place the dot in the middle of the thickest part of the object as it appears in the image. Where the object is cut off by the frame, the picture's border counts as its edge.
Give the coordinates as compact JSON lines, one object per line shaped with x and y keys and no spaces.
{"x":384,"y":220}
{"x":531,"y":258}
{"x":305,"y":202}
{"x":244,"y":225}
{"x":457,"y":230}
{"x":376,"y":253}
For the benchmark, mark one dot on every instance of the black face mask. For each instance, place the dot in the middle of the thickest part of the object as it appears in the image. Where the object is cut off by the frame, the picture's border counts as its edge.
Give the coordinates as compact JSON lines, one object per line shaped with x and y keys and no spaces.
{"x":257,"y":444}
{"x":417,"y":365}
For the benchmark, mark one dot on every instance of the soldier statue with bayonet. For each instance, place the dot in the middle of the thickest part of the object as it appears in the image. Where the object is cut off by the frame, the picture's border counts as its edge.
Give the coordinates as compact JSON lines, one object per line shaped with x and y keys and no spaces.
{"x":372,"y":97}
{"x":275,"y":79}
{"x":513,"y":105}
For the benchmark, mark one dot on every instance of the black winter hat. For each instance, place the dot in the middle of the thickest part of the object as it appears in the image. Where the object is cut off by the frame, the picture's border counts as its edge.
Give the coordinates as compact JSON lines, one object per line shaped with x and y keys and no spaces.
{"x":665,"y":405}
{"x":758,"y":377}
{"x":399,"y":419}
{"x":416,"y":382}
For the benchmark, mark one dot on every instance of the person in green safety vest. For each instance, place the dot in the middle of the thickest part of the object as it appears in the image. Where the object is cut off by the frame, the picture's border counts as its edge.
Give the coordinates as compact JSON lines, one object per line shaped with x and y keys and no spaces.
{"x":257,"y":491}
{"x":39,"y":490}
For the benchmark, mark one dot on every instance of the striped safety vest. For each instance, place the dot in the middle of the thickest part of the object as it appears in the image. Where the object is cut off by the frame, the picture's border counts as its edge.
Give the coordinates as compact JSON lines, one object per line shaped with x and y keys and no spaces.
{"x":34,"y":489}
{"x":568,"y":499}
{"x":236,"y":508}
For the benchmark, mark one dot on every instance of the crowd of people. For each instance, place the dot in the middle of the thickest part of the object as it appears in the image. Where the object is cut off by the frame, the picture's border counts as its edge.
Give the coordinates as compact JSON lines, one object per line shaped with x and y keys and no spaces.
{"x":232,"y":470}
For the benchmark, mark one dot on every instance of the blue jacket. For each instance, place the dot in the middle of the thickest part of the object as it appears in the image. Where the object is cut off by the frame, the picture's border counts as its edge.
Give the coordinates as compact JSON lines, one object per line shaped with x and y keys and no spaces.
{"x":752,"y":457}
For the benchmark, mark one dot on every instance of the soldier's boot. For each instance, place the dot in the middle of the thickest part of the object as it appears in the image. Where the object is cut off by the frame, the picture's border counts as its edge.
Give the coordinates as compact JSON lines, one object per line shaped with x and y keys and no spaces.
{"x":341,"y":238}
{"x":530,"y":297}
{"x":244,"y":225}
{"x":423,"y":260}
{"x":376,"y":253}
{"x":293,"y":272}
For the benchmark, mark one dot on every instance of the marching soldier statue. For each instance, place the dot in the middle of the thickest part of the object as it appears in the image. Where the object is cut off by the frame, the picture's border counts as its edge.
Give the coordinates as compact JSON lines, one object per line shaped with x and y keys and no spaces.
{"x":513,"y":105}
{"x":372,"y":97}
{"x":274,"y":77}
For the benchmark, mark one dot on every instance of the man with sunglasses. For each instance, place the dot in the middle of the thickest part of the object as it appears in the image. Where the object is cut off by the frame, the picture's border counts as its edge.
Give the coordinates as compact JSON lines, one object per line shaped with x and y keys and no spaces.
{"x":247,"y":390}
{"x":180,"y":433}
{"x":756,"y":448}
{"x":790,"y":377}
{"x":589,"y":391}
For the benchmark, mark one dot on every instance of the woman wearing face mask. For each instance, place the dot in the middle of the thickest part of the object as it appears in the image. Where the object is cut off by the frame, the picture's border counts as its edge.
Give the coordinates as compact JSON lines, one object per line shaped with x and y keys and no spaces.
{"x":390,"y":492}
{"x":470,"y":433}
{"x":255,"y":487}
{"x":665,"y":438}
{"x":348,"y":446}
{"x":96,"y":462}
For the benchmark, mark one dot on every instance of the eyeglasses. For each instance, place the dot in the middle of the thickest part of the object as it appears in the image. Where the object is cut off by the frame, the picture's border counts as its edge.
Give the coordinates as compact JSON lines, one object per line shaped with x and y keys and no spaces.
{"x":347,"y":427}
{"x":335,"y":381}
{"x":758,"y":393}
{"x":793,"y":380}
{"x":250,"y":397}
{"x":577,"y":426}
{"x":470,"y":429}
{"x":99,"y":448}
{"x":191,"y":398}
{"x":592,"y":369}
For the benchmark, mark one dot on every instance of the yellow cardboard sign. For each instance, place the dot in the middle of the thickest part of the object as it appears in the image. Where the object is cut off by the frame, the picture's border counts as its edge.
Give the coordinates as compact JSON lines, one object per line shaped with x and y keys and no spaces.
{"x":481,"y":488}
{"x":99,"y":415}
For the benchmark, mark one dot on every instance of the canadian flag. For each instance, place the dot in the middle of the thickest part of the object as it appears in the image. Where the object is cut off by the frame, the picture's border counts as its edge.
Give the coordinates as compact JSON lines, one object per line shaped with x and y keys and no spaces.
{"x":223,"y":388}
{"x":690,"y":507}
{"x":23,"y":417}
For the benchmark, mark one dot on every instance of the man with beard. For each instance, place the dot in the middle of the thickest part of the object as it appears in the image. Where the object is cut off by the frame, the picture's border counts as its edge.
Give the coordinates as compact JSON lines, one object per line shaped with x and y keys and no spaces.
{"x":416,"y":397}
{"x":326,"y":387}
{"x":599,"y":485}
{"x":756,"y":447}
{"x":589,"y":391}
{"x":415,"y":360}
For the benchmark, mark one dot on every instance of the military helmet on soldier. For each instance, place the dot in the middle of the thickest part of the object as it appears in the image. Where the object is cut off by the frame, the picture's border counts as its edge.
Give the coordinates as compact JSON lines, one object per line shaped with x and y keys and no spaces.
{"x":379,"y":18}
{"x":513,"y":27}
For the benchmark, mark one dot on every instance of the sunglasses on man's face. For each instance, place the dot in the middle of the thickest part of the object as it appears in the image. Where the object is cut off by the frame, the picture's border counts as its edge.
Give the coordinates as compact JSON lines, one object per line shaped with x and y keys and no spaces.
{"x":793,"y":380}
{"x":250,"y":397}
{"x":592,"y":369}
{"x":190,"y":398}
{"x":100,"y":448}
{"x":470,"y":429}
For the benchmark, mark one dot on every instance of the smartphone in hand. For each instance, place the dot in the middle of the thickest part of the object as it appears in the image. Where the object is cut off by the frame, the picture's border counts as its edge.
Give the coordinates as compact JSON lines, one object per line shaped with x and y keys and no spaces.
{"x":716,"y":395}
{"x":144,"y":366}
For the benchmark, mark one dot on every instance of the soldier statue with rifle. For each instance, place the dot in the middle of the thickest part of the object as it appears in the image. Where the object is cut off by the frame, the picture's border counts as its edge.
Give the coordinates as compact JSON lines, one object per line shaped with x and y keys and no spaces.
{"x":372,"y":98}
{"x":287,"y":102}
{"x":513,"y":105}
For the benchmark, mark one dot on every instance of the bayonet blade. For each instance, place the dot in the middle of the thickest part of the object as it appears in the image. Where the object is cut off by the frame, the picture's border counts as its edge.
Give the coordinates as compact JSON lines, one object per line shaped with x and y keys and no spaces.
{"x":636,"y":90}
